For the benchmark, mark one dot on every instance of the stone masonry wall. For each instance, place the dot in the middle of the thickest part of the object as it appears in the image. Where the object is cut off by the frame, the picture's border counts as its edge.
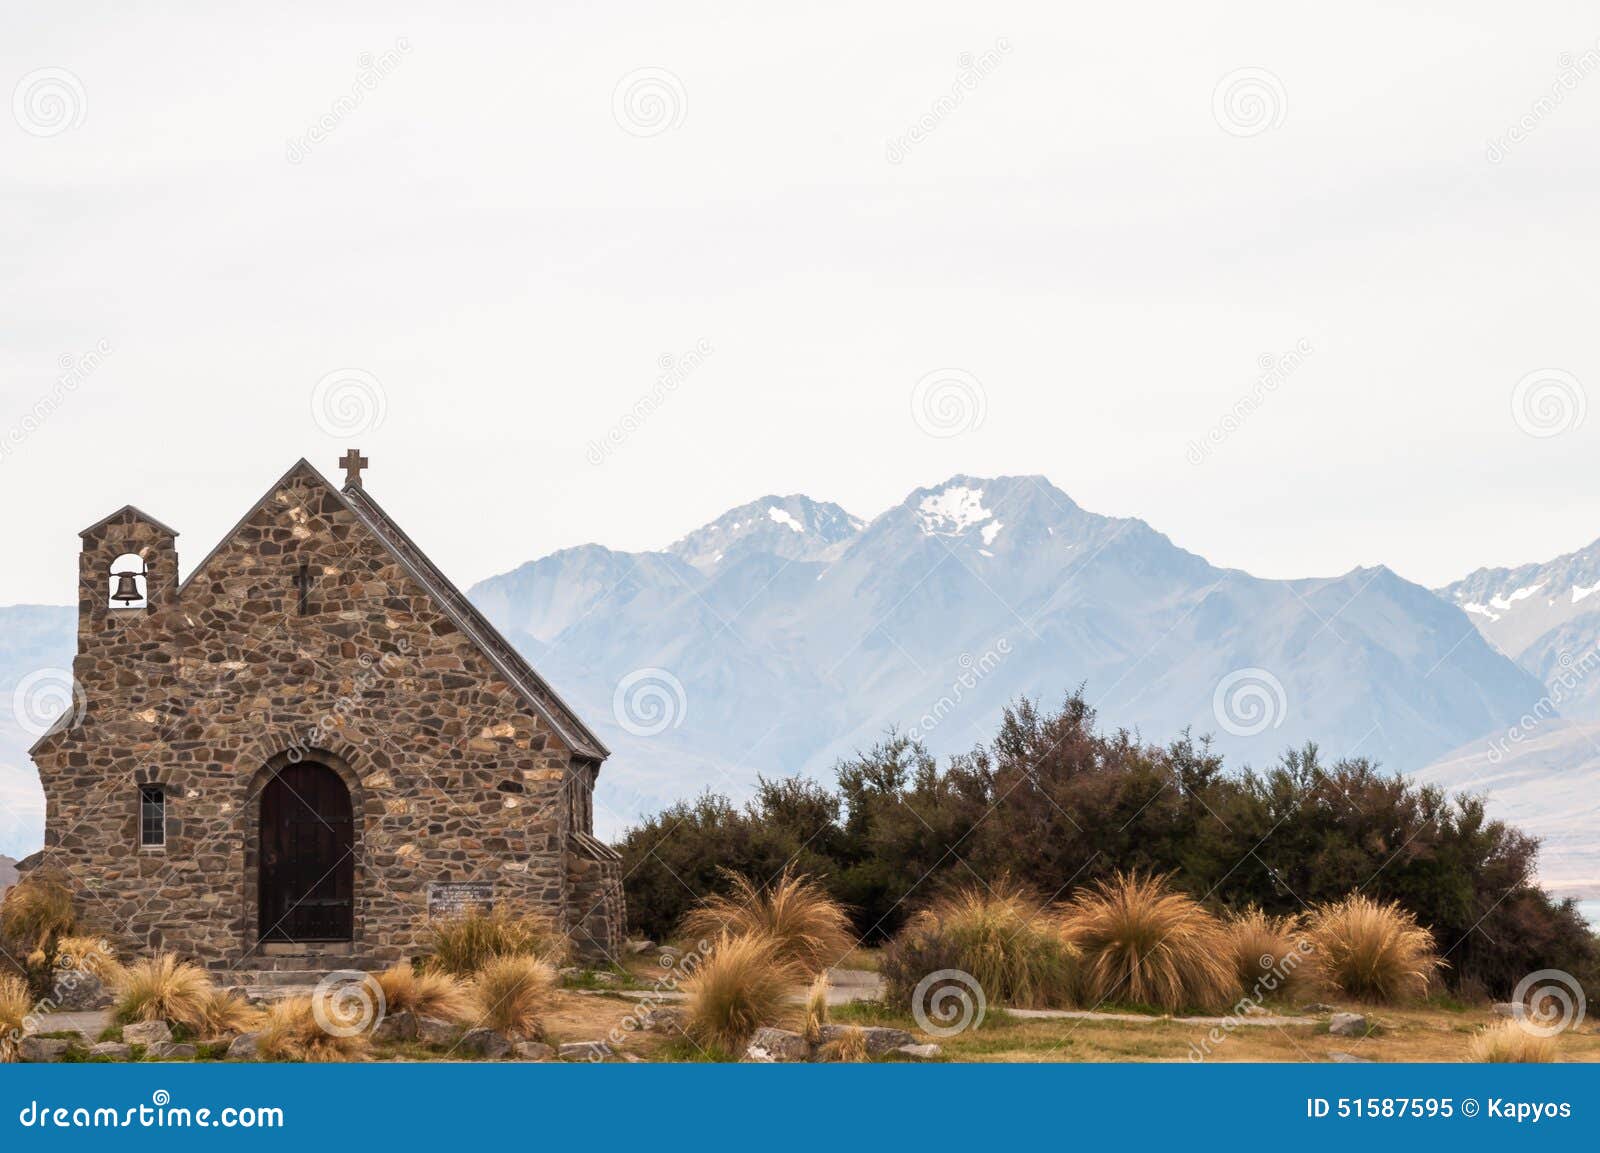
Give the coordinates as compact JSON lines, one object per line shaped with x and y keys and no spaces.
{"x":452,"y":776}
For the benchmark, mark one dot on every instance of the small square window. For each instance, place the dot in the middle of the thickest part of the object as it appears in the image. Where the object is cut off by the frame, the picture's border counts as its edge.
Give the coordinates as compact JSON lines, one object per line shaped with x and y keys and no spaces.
{"x":152,"y":815}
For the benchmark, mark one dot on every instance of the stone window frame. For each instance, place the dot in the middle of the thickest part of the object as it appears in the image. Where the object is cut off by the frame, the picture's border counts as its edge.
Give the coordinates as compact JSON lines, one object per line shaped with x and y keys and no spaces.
{"x":160,"y":791}
{"x":340,"y":761}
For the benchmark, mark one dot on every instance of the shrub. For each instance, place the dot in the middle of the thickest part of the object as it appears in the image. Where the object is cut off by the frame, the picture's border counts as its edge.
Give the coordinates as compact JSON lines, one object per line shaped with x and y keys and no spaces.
{"x":464,"y":944}
{"x":88,"y":954}
{"x":805,"y":926}
{"x":1372,"y":951}
{"x":291,"y":1032}
{"x":816,"y":1011}
{"x":512,"y":994}
{"x":163,"y":988}
{"x":743,"y":985}
{"x":1147,"y":943}
{"x":1271,"y":955}
{"x":1510,"y":1043}
{"x":430,"y":993}
{"x":15,"y":1005}
{"x":223,"y":1014}
{"x":35,"y":911}
{"x":1002,"y":937}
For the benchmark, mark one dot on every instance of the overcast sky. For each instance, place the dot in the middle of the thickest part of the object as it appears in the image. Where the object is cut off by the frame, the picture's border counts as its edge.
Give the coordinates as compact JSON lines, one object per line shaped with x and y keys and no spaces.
{"x":907,"y":240}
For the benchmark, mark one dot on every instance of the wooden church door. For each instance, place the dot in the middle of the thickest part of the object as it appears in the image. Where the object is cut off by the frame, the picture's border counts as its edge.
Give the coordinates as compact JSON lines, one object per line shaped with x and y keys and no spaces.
{"x":307,"y":879}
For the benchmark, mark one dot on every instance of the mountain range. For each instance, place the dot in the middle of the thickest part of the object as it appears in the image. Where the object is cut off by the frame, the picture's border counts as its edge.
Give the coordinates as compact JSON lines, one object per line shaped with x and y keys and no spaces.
{"x":788,"y":633}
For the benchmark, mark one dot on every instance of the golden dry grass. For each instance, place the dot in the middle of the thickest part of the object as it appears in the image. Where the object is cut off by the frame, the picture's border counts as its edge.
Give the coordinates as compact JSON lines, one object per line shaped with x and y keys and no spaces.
{"x":15,"y":1005}
{"x":88,"y":954}
{"x":290,"y":1031}
{"x":1511,"y":1043}
{"x":807,"y":927}
{"x":463,"y":944}
{"x":1373,"y":951}
{"x":163,"y":988}
{"x":816,"y":1010}
{"x":743,"y":985}
{"x":224,"y":1014}
{"x":430,"y":993}
{"x":35,"y":911}
{"x":1144,"y":942}
{"x":1271,"y":955}
{"x":850,"y":1046}
{"x":512,"y":995}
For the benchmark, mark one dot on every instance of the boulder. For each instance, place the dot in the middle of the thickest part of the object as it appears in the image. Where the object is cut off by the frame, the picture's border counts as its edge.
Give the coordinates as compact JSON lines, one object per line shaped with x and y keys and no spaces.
{"x":170,"y":1051}
{"x":533,"y":1051}
{"x":42,"y":1050}
{"x":433,"y":1031}
{"x":777,"y":1046}
{"x":401,"y":1026}
{"x":484,"y":1043}
{"x":1516,"y":1010}
{"x":1347,"y":1058}
{"x":919,"y":1052}
{"x":112,"y":1051}
{"x":244,"y":1047}
{"x":1316,"y":1007}
{"x":585,"y":1051}
{"x":1348,"y":1025}
{"x":75,"y":991}
{"x":634,"y":948}
{"x":147,"y":1033}
{"x":660,"y":1020}
{"x":879,"y":1039}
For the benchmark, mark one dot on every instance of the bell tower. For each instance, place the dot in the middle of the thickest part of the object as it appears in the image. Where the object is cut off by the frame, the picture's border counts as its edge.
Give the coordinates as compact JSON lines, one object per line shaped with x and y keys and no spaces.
{"x":127,"y":573}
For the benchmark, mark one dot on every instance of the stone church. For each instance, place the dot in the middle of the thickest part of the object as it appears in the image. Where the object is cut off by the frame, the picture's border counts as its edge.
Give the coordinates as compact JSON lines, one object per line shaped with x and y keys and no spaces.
{"x":311,"y":746}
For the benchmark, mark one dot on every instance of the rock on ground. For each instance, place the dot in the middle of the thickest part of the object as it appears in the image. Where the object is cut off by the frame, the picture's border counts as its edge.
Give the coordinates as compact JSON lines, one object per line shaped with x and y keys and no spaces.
{"x":879,"y":1039}
{"x":76,"y":991}
{"x":585,"y":1051}
{"x":147,"y":1033}
{"x":777,"y":1046}
{"x":42,"y":1050}
{"x":400,"y":1026}
{"x":112,"y":1050}
{"x":433,"y":1031}
{"x":1348,"y":1025}
{"x":919,"y":1052}
{"x":484,"y":1043}
{"x":534,"y":1051}
{"x":1348,"y":1058}
{"x":1516,"y":1010}
{"x":244,"y":1047}
{"x":171,"y":1051}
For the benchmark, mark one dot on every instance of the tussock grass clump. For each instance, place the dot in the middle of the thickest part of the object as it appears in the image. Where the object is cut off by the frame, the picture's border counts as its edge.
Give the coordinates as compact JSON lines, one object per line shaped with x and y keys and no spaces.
{"x":163,"y":988}
{"x":223,"y":1014}
{"x":816,"y":1010}
{"x":1373,"y":951}
{"x":1271,"y":955}
{"x":806,"y":926}
{"x":35,"y":911}
{"x":849,"y":1047}
{"x":512,"y":995}
{"x":743,"y":985}
{"x":1002,"y":936}
{"x":290,"y":1032}
{"x":1510,"y":1043}
{"x":463,"y":944}
{"x":430,"y":993}
{"x":1146,"y":943}
{"x":15,"y":1005}
{"x":88,"y":954}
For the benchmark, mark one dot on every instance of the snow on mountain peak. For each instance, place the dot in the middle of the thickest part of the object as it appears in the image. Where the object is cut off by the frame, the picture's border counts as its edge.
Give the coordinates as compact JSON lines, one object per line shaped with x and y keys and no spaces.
{"x":952,"y":511}
{"x":781,"y":516}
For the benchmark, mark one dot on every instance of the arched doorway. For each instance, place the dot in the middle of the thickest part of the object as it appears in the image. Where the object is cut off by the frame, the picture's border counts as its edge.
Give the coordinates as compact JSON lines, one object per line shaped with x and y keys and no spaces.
{"x":307,"y":862}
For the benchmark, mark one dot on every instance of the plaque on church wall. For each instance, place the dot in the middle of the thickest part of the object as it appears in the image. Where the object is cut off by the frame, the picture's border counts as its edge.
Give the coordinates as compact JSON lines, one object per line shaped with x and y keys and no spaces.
{"x":452,"y":898}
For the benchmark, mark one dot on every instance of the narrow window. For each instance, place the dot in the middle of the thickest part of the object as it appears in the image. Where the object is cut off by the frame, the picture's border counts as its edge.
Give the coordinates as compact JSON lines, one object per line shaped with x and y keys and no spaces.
{"x":152,"y":815}
{"x":302,"y":581}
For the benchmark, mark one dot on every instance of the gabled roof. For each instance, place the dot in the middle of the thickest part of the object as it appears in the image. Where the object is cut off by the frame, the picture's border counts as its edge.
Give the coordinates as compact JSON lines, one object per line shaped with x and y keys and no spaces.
{"x":529,"y":685}
{"x":128,"y":512}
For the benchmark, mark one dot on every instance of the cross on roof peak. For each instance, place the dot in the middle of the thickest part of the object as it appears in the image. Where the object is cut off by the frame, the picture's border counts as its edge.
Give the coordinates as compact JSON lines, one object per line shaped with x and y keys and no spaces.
{"x":353,"y":462}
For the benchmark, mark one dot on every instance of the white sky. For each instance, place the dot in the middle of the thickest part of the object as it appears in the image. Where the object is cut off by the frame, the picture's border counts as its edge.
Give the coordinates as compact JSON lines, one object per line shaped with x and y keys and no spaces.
{"x":1080,"y":235}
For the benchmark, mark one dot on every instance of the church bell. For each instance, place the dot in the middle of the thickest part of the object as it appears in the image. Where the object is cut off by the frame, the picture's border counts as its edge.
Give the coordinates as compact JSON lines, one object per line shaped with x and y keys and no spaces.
{"x":127,"y":591}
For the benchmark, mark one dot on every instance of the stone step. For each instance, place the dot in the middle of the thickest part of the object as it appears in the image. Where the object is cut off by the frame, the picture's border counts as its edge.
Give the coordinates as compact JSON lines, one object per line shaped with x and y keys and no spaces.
{"x":274,"y":978}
